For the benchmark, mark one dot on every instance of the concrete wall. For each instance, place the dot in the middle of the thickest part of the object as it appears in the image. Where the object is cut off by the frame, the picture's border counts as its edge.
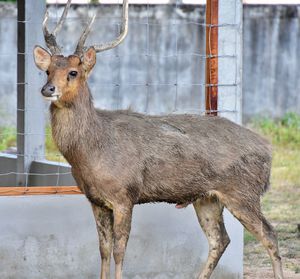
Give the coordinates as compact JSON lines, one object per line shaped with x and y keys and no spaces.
{"x":8,"y":64}
{"x":55,"y":238}
{"x":271,"y":60}
{"x":144,"y":73}
{"x":271,"y":46}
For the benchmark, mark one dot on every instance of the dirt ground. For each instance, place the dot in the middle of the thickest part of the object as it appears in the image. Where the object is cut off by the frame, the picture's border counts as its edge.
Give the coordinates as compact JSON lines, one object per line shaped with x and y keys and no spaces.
{"x":257,"y":264}
{"x":266,"y":273}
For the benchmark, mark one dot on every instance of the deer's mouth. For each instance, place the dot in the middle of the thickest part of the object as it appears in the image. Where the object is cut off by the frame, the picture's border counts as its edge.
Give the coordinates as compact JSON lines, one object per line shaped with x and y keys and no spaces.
{"x":50,"y":92}
{"x":52,"y":98}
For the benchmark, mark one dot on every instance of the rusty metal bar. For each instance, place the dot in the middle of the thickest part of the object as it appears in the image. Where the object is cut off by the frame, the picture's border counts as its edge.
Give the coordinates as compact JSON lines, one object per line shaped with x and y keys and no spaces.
{"x":211,"y":71}
{"x":44,"y":190}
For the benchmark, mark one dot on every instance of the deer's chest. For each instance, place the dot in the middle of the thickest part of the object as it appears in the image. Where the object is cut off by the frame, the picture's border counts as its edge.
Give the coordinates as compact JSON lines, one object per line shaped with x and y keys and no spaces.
{"x":94,"y":188}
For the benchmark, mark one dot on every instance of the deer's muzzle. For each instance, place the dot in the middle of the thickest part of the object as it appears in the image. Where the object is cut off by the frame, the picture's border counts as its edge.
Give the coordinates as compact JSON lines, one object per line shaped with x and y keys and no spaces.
{"x":49,"y":92}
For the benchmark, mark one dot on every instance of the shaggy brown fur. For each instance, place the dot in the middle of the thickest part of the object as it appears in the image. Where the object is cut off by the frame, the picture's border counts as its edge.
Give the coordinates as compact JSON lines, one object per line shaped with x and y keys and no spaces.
{"x":121,"y":158}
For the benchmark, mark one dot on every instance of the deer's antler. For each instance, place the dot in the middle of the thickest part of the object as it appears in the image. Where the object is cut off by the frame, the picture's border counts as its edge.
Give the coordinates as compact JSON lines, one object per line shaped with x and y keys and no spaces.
{"x":50,"y":38}
{"x":105,"y":46}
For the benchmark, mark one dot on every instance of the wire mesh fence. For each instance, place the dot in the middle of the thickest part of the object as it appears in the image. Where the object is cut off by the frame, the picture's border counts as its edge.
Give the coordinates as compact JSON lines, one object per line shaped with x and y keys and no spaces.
{"x":159,"y":69}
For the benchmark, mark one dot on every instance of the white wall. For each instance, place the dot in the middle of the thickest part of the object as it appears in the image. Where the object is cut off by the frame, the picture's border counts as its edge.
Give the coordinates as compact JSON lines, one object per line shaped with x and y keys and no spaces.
{"x":54,"y":237}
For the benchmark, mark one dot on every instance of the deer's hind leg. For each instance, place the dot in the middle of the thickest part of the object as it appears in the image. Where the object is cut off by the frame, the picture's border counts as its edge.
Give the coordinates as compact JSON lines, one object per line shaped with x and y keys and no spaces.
{"x":247,"y":211}
{"x":210,"y":215}
{"x":104,"y":222}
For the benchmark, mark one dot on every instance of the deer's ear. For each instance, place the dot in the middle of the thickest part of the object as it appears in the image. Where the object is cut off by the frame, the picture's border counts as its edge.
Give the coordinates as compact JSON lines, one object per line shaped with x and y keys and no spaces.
{"x":42,"y":58}
{"x":89,"y":59}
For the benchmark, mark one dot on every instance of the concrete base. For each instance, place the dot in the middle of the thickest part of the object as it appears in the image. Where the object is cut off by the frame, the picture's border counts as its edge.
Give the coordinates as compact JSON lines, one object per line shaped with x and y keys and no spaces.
{"x":55,"y":237}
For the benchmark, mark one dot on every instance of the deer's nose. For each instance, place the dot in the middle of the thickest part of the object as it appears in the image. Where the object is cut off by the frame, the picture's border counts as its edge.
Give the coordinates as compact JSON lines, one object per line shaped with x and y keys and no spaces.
{"x":48,"y":90}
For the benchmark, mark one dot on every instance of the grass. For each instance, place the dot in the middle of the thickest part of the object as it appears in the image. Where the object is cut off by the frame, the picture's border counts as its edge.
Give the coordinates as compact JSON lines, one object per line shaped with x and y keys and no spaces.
{"x":281,"y":204}
{"x":7,"y":138}
{"x":51,"y":150}
{"x":284,"y":132}
{"x":8,"y":141}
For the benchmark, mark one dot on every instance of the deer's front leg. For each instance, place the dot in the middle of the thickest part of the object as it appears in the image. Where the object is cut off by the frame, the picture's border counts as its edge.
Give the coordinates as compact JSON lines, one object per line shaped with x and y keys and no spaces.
{"x":104,"y":222}
{"x":122,"y":225}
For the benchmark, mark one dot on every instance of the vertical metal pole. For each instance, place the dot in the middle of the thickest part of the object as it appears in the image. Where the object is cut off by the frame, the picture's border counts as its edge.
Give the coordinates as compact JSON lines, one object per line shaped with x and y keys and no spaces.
{"x":30,"y":114}
{"x":21,"y":91}
{"x":211,"y":92}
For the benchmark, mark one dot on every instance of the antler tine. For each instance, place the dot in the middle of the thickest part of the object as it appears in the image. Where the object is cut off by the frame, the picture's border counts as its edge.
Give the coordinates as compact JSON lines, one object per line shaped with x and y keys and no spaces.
{"x":124,"y":30}
{"x":63,"y":18}
{"x":83,"y":37}
{"x":121,"y":37}
{"x":50,"y":38}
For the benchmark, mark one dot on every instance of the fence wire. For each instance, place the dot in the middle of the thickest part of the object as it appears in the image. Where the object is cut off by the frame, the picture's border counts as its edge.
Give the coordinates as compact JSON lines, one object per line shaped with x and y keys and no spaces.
{"x":159,"y":69}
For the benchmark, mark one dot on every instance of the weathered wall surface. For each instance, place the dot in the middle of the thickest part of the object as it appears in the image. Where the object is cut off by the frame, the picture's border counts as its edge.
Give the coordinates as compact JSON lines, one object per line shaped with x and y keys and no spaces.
{"x":55,"y":238}
{"x":271,"y":60}
{"x":144,"y":74}
{"x":8,"y":64}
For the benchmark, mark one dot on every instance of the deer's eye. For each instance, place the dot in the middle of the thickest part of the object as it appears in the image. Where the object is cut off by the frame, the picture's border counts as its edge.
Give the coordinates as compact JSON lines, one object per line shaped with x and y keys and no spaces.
{"x":47,"y":73}
{"x":72,"y":74}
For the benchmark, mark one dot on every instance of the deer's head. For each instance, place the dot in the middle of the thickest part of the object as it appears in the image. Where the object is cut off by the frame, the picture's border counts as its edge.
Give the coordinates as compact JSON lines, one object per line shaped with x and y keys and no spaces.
{"x":66,"y":74}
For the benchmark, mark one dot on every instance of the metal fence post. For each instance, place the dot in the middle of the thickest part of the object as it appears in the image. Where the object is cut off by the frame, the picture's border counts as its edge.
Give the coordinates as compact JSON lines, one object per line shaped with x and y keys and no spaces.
{"x":30,"y":114}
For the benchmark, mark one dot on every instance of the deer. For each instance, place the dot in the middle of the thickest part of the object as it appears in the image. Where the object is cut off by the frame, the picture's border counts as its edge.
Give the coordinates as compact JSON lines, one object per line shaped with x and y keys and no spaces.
{"x":121,"y":158}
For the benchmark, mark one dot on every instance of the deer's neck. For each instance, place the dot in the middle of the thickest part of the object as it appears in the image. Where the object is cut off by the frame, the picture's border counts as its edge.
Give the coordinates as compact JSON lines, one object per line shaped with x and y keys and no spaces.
{"x":75,"y":125}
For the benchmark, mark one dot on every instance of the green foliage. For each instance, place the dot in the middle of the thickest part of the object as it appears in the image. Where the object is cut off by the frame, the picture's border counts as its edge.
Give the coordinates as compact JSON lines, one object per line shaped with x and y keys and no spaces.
{"x":51,"y":150}
{"x":7,"y":138}
{"x":283,"y":132}
{"x":248,"y":238}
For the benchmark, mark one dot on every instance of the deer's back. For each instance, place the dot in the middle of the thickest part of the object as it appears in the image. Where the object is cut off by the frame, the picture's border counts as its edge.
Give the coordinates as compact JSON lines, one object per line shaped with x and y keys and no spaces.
{"x":179,"y":158}
{"x":187,"y":135}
